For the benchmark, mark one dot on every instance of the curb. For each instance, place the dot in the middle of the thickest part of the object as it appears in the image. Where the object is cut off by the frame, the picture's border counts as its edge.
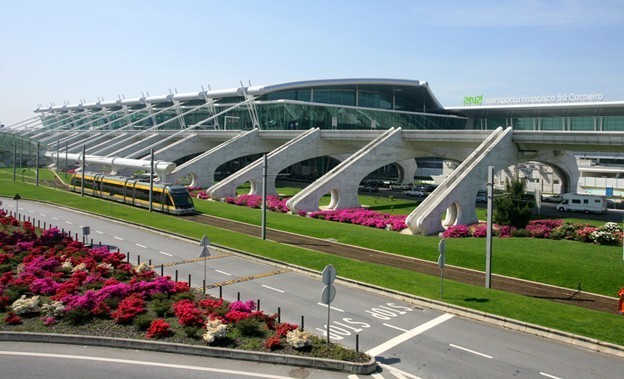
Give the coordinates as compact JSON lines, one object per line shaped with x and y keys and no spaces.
{"x":204,"y":351}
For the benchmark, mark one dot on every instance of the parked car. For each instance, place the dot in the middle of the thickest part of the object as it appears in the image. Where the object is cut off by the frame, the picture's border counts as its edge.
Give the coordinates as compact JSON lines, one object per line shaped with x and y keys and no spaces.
{"x":553,"y":199}
{"x":416,"y":193}
{"x":369,"y":189}
{"x":400,"y":186}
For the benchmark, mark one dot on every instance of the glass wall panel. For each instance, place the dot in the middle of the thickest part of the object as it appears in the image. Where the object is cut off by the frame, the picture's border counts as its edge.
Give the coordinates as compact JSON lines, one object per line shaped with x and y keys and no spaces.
{"x":525,"y":123}
{"x":582,"y":123}
{"x":339,"y":97}
{"x":613,"y":123}
{"x":493,"y":123}
{"x":551,"y":123}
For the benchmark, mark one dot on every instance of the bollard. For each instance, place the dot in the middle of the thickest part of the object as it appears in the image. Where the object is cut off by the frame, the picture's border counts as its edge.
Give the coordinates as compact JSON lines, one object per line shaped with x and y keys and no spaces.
{"x":38,"y":224}
{"x":189,"y":281}
{"x":100,"y":243}
{"x":204,"y":288}
{"x":63,"y":231}
{"x":91,"y":244}
{"x":357,"y":343}
{"x":238,"y":296}
{"x":128,"y":257}
{"x":176,"y":276}
{"x":162,"y":270}
{"x":138,"y":259}
{"x":118,"y":250}
{"x":302,"y":323}
{"x":149,"y":262}
{"x":76,"y":239}
{"x":258,"y":305}
{"x":279,"y":315}
{"x":220,"y":292}
{"x":108,"y":248}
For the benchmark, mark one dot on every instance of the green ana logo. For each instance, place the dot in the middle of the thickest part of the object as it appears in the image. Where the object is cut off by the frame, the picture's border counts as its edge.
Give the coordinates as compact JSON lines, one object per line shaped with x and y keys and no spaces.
{"x":473,"y":100}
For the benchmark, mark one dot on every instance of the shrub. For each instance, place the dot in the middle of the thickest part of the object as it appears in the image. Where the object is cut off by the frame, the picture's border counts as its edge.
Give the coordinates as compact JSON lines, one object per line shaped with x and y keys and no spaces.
{"x":298,"y":338}
{"x":249,"y":327}
{"x":187,"y":313}
{"x":161,"y":308}
{"x":158,"y":328}
{"x":273,"y":343}
{"x":191,"y":331}
{"x":214,"y":329}
{"x":78,"y":316}
{"x":128,"y":309}
{"x":143,"y":321}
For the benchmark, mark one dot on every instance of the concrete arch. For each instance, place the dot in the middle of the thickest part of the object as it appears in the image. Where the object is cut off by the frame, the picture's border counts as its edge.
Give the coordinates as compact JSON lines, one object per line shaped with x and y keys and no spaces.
{"x":563,"y":164}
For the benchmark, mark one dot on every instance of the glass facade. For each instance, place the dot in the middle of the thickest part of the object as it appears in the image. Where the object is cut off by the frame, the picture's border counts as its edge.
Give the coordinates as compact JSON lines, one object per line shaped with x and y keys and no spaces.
{"x":594,"y":123}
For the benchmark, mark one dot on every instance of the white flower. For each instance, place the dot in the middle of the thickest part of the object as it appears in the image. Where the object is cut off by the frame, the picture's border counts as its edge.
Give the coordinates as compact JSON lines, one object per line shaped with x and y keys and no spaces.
{"x":67,"y":265}
{"x":53,"y":309}
{"x":106,"y":266}
{"x":214,"y":329}
{"x":298,"y":338}
{"x":143,"y":267}
{"x":25,"y":305}
{"x":80,"y":267}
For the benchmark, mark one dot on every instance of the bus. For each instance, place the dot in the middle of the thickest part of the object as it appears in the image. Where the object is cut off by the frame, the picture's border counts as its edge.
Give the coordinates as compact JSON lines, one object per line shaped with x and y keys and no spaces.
{"x":171,"y":199}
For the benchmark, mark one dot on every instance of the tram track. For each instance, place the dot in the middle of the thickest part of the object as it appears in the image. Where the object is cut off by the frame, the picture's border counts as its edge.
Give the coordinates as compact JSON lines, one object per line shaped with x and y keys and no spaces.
{"x":463,"y":275}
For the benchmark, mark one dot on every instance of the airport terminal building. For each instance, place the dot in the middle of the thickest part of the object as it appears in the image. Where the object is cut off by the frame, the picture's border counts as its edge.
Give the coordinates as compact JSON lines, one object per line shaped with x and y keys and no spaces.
{"x":349,"y":104}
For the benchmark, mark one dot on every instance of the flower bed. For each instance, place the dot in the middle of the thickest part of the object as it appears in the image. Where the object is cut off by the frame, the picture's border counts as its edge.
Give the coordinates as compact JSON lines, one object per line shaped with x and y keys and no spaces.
{"x":607,"y":234}
{"x":51,"y":283}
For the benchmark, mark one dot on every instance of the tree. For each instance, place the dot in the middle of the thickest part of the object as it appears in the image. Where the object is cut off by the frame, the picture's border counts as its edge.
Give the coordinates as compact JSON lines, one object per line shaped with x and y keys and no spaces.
{"x":511,"y":209}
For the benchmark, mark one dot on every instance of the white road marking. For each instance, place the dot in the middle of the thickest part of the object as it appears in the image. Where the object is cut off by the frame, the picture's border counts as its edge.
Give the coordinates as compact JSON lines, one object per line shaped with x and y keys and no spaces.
{"x":118,"y":238}
{"x":470,"y":351}
{"x":377,"y":376}
{"x":352,"y":376}
{"x":400,"y":374}
{"x":144,"y":363}
{"x":31,"y":212}
{"x":42,"y":215}
{"x":274,"y":289}
{"x":139,"y":245}
{"x":167,"y":254}
{"x":333,"y":308}
{"x":549,"y":376}
{"x":223,"y":272}
{"x":395,"y":327}
{"x":98,"y":232}
{"x":55,"y":218}
{"x":68,"y":222}
{"x":409,"y":334}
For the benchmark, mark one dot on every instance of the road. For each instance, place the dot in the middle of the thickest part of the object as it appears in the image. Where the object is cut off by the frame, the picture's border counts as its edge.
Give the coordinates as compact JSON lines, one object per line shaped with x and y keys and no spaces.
{"x":408,"y":341}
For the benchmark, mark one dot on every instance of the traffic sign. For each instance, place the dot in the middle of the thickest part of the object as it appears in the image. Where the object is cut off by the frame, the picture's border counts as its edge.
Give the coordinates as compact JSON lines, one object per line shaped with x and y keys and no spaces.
{"x":204,"y":252}
{"x":204,"y":241}
{"x":442,"y":246}
{"x":328,"y":294}
{"x":329,"y":274}
{"x":17,"y":197}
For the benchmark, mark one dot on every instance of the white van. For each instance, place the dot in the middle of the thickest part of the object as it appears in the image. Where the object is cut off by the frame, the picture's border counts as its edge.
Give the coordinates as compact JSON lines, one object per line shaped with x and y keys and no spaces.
{"x":574,"y":202}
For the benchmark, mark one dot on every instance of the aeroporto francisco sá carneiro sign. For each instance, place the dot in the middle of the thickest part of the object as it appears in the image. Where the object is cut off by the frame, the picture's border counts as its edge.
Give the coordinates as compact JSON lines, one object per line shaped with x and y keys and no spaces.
{"x":546,"y":99}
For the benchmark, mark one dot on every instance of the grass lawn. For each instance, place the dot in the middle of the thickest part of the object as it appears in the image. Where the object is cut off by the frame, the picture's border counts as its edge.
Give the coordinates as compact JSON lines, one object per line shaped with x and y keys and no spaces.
{"x":597,"y":268}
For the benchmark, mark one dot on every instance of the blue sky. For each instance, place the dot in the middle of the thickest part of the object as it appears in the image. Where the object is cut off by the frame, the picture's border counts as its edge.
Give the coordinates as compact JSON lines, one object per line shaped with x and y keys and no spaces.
{"x":66,"y":50}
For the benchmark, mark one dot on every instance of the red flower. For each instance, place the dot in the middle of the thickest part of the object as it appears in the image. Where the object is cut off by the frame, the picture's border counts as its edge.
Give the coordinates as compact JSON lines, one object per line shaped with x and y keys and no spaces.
{"x":158,"y":328}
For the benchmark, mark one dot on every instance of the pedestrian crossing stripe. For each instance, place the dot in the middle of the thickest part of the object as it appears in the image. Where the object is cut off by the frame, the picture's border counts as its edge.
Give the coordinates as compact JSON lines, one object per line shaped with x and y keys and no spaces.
{"x":201,"y":259}
{"x":246,"y":278}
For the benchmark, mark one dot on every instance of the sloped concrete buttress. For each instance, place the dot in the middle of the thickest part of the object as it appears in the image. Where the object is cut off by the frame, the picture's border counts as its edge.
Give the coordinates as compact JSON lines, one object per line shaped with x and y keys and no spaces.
{"x":307,"y":144}
{"x":343,"y":180}
{"x":202,"y":168}
{"x":458,"y":191}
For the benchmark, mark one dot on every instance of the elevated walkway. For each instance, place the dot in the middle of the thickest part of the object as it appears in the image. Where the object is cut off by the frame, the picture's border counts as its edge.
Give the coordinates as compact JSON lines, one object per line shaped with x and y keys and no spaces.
{"x":456,"y":195}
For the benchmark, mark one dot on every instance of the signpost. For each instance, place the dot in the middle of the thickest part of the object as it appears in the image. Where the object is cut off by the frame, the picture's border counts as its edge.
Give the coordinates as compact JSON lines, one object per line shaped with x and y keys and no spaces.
{"x":329,"y":291}
{"x":204,"y":253}
{"x":441,"y":262}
